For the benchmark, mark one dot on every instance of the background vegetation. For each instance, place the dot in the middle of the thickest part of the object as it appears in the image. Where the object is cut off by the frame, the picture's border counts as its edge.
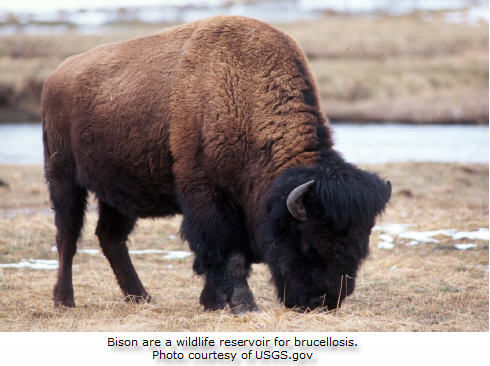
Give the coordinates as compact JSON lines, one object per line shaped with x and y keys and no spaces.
{"x":368,"y":68}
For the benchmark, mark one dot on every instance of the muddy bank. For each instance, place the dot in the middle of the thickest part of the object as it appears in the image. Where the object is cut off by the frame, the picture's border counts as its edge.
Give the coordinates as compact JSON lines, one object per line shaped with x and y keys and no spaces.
{"x":20,"y":103}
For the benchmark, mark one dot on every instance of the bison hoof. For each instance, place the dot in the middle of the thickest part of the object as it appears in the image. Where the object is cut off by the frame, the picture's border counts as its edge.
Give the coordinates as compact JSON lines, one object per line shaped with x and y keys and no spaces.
{"x":138,"y":299}
{"x":212,"y":299}
{"x":243,"y":308}
{"x":69,"y":303}
{"x":242,"y":301}
{"x":214,"y":306}
{"x":213,"y":303}
{"x":63,"y":297}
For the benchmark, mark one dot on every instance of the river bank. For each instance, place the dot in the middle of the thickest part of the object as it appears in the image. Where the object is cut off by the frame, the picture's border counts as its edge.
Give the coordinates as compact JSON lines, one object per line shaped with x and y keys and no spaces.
{"x":368,"y":68}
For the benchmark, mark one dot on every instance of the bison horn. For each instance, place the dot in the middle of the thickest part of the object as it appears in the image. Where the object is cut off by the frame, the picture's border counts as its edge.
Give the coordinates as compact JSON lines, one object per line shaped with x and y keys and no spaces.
{"x":295,"y":201}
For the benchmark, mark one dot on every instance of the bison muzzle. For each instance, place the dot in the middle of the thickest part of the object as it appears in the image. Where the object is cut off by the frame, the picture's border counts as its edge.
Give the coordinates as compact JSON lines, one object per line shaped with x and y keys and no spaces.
{"x":217,"y":120}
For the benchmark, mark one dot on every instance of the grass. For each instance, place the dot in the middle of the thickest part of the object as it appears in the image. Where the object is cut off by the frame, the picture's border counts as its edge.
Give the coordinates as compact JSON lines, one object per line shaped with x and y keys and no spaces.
{"x":429,"y":287}
{"x":383,"y":68}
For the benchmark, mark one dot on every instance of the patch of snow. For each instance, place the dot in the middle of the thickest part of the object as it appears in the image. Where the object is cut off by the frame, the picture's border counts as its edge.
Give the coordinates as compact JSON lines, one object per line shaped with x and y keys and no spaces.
{"x":393,"y":268}
{"x":169,"y":254}
{"x":417,"y":237}
{"x":420,"y":236}
{"x":89,"y":251}
{"x":427,"y":236}
{"x":177,"y":254}
{"x":465,"y":246}
{"x":86,"y":250}
{"x":386,"y":237}
{"x":412,"y":243}
{"x":446,"y":232}
{"x":146,"y":251}
{"x":385,"y":245}
{"x":393,"y":229}
{"x":480,"y":234}
{"x":172,"y":237}
{"x":33,"y":264}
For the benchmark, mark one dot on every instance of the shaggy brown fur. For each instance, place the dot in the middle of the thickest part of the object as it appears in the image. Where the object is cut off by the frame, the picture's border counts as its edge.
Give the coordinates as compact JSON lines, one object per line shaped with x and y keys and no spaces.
{"x":199,"y":119}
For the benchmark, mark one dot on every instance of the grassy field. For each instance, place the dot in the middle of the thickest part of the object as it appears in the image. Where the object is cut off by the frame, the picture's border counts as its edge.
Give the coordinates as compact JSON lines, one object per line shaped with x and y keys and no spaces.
{"x":427,"y":287}
{"x":381,"y":68}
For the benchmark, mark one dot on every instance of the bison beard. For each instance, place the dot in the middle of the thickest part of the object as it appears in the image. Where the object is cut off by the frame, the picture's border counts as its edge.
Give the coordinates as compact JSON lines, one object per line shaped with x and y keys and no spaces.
{"x":217,"y":120}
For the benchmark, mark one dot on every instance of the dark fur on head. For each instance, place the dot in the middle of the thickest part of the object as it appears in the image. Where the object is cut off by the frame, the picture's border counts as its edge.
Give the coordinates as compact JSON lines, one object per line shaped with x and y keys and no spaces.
{"x":314,"y":263}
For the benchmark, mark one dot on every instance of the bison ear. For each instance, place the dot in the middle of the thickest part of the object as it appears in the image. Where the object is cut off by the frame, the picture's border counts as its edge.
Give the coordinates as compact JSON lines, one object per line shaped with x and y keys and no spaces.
{"x":295,"y":203}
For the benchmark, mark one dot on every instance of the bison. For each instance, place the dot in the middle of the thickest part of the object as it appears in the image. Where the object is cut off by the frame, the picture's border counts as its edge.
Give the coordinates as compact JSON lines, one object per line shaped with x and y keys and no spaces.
{"x":217,"y":120}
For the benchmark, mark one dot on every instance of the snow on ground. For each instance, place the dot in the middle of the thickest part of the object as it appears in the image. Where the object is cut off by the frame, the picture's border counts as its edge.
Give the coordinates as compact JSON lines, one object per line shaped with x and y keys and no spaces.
{"x":385,"y":245}
{"x":177,"y":254}
{"x":146,"y":251}
{"x":33,"y":264}
{"x":480,"y":234}
{"x":386,"y":240}
{"x":53,"y":263}
{"x":465,"y":246}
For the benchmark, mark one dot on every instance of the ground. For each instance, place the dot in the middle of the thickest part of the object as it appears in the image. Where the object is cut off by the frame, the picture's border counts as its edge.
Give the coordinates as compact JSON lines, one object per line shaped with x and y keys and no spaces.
{"x":424,"y":287}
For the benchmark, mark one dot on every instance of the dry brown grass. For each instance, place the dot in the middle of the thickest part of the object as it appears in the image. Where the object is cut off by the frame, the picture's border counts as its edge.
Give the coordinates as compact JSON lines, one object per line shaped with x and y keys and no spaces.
{"x":429,"y":287}
{"x":367,"y":68}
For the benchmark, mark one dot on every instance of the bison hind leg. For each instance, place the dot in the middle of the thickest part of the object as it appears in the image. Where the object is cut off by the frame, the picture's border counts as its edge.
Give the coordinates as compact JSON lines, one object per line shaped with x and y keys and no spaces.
{"x":69,"y":202}
{"x":112,"y":230}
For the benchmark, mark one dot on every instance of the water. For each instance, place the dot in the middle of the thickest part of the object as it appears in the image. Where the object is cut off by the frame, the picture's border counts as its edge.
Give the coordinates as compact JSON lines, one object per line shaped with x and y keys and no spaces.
{"x":378,"y":143}
{"x":370,"y":143}
{"x":21,"y":144}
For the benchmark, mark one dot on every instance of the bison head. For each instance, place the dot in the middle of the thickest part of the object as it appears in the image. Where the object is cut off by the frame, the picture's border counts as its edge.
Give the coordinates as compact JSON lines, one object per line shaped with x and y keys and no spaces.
{"x":316,"y":231}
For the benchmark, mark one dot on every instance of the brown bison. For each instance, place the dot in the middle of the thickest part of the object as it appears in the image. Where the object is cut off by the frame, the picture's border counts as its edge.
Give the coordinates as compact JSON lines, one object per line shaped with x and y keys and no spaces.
{"x":218,"y":120}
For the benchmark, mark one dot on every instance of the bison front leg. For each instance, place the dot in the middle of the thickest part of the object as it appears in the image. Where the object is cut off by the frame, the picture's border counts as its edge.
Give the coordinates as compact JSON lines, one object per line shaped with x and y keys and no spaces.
{"x":217,"y":235}
{"x":241,"y":298}
{"x":113,"y":229}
